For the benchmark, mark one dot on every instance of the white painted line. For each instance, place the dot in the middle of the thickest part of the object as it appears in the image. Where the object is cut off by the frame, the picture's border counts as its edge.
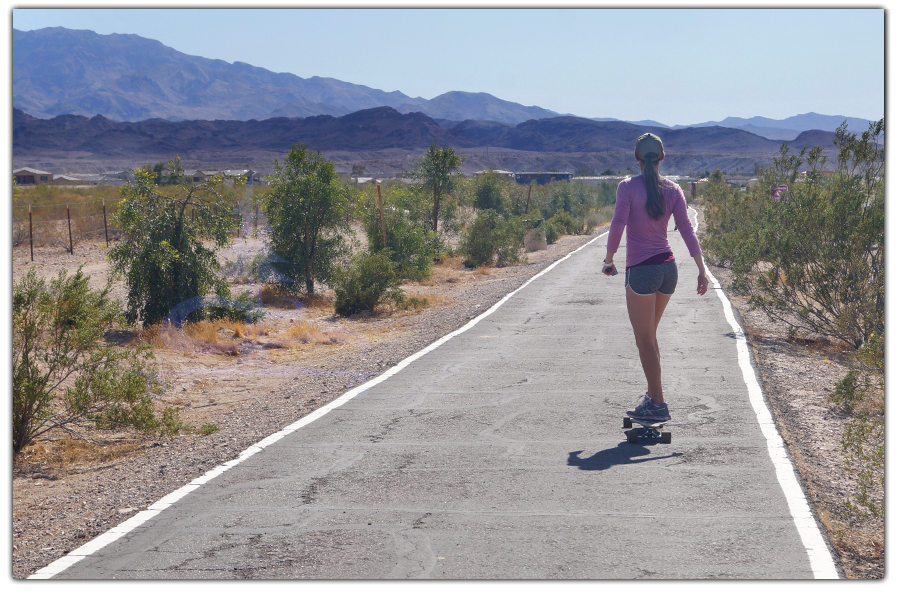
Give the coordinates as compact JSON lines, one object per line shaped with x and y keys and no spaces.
{"x":118,"y":531}
{"x":819,"y":556}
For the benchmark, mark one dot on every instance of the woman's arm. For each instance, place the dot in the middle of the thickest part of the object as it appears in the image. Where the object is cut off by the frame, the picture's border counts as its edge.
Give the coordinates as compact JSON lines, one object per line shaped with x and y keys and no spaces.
{"x":702,"y":281}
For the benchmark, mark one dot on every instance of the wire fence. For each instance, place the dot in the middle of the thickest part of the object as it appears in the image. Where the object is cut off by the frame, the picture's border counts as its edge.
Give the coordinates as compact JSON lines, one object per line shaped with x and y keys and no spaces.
{"x":65,"y":225}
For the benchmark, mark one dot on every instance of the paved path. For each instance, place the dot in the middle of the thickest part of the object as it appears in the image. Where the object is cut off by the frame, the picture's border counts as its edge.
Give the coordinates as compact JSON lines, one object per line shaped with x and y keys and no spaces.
{"x":501,"y":454}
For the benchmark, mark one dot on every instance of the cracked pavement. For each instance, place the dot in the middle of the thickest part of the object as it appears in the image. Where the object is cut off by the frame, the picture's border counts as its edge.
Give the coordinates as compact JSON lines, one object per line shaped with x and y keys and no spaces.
{"x":501,"y":455}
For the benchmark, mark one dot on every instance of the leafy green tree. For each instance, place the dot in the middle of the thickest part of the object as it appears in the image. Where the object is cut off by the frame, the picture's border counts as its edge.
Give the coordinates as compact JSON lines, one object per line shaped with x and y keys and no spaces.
{"x":64,"y":374}
{"x":163,"y":257}
{"x":491,"y":192}
{"x":307,"y":207}
{"x":437,"y":173}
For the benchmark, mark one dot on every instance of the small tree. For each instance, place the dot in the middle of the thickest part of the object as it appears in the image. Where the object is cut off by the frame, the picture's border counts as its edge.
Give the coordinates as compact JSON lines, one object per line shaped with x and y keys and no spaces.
{"x":306,"y":207}
{"x":436,"y":173}
{"x":412,"y":247}
{"x":63,"y":372}
{"x":163,"y":257}
{"x":491,"y":193}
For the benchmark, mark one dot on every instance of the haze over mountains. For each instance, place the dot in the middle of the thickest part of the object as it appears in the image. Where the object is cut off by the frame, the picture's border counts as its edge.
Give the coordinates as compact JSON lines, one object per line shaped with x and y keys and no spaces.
{"x":85,"y":96}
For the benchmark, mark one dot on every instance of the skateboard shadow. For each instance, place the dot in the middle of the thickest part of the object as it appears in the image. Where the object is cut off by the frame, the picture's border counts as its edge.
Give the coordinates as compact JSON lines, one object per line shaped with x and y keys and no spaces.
{"x":623,"y":454}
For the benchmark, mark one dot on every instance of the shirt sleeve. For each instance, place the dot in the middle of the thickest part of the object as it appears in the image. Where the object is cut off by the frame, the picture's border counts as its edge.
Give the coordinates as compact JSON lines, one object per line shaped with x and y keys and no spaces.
{"x":679,"y":212}
{"x":620,"y":217}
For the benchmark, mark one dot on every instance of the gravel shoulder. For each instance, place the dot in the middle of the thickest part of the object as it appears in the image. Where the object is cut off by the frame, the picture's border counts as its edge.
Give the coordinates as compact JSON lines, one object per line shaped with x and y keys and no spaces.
{"x":60,"y":501}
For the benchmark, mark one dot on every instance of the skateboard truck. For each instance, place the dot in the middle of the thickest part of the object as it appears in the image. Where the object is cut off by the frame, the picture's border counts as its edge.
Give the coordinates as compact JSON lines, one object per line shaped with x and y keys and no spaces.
{"x":649,"y":431}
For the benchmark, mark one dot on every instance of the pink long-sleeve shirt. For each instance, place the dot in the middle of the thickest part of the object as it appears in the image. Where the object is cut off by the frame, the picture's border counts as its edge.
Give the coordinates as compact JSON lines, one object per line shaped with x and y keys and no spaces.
{"x":645,"y":236}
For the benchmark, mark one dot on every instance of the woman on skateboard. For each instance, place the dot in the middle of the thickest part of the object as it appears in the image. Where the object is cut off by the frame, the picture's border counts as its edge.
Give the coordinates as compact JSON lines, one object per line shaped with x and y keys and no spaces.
{"x":644,"y":204}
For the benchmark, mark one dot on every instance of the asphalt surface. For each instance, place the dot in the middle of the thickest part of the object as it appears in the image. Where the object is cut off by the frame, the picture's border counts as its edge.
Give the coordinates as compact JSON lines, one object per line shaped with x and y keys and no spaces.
{"x":501,"y":454}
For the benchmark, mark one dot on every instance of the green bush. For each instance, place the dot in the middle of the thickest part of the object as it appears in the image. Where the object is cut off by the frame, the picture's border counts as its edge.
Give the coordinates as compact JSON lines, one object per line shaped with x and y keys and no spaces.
{"x":168,"y":253}
{"x":412,"y":246}
{"x":64,"y":374}
{"x":814,"y":257}
{"x":370,"y":279}
{"x":566,"y":223}
{"x":551,"y":232}
{"x":491,"y":237}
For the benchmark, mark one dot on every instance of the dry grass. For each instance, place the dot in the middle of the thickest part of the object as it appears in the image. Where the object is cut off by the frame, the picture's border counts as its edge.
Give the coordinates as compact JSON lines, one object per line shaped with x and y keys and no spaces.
{"x":64,"y":454}
{"x":245,"y":330}
{"x":149,"y":335}
{"x":305,"y":332}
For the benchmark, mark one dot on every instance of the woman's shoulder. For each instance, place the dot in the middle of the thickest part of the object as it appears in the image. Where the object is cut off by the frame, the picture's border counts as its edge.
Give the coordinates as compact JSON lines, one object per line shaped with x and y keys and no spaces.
{"x":630,"y":181}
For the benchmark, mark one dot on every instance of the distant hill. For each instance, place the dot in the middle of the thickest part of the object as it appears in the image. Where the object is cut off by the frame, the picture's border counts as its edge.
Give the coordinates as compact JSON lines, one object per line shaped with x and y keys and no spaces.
{"x":376,"y":129}
{"x":464,"y":105}
{"x":789,"y":128}
{"x":124,"y":77}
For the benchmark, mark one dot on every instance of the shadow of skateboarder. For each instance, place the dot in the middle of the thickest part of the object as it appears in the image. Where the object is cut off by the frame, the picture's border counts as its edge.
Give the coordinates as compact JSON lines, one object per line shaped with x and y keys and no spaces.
{"x":623,"y":454}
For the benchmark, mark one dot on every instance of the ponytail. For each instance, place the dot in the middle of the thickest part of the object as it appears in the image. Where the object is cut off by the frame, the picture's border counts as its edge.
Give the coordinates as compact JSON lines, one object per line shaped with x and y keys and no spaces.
{"x":652,"y":180}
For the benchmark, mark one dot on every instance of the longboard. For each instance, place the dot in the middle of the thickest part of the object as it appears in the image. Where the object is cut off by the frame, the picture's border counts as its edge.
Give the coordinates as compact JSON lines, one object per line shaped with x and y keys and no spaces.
{"x":649,"y":432}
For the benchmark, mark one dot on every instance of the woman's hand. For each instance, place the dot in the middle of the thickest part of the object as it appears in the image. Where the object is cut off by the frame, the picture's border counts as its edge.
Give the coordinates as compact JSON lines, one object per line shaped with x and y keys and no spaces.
{"x":610,"y":270}
{"x":702,"y":284}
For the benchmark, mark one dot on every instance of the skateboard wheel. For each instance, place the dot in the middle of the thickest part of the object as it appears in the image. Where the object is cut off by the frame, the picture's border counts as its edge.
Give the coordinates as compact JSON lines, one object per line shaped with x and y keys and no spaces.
{"x":666,"y":437}
{"x":626,"y":423}
{"x":631,"y":437}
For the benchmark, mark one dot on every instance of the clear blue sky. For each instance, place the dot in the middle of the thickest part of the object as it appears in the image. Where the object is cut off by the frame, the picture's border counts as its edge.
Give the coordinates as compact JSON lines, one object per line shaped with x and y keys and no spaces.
{"x":675,"y":66}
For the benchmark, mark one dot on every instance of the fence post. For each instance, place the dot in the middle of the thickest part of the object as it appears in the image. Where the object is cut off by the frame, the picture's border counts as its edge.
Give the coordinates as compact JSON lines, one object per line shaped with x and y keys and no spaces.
{"x":381,"y":211}
{"x":255,"y":217}
{"x":69,"y":217}
{"x":30,"y":232}
{"x":105,"y":231}
{"x":435,"y":207}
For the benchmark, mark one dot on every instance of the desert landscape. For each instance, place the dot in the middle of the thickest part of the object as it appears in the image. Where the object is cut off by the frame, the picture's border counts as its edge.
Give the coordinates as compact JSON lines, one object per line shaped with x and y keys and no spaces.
{"x":235,"y":385}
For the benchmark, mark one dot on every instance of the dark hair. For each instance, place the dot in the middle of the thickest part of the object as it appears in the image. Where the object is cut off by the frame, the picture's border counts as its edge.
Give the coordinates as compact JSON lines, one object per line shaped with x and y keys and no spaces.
{"x":652,"y":180}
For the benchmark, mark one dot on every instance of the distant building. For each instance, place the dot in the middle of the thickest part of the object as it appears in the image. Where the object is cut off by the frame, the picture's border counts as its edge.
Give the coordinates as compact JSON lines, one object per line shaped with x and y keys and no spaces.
{"x":542,"y":178}
{"x":251,"y":177}
{"x":31,"y":176}
{"x":509,"y":174}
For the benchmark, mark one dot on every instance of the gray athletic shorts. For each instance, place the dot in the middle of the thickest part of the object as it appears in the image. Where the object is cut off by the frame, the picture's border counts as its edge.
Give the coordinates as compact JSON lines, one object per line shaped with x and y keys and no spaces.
{"x":652,"y":278}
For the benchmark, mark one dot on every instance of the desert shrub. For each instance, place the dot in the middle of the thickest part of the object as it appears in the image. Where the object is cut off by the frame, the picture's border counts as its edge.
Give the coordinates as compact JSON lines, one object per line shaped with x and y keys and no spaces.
{"x":551,"y":232}
{"x":863,"y":447}
{"x":64,"y":374}
{"x":412,"y":245}
{"x":491,"y":237}
{"x":369,"y":280}
{"x":566,"y":223}
{"x":813,"y":257}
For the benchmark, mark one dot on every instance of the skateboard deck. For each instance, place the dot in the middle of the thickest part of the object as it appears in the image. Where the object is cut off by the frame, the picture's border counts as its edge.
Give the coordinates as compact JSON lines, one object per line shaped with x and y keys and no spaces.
{"x":649,"y":431}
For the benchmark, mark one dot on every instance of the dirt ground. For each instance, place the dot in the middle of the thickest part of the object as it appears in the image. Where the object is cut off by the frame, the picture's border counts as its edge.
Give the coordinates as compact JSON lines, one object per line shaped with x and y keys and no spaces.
{"x":236,"y":387}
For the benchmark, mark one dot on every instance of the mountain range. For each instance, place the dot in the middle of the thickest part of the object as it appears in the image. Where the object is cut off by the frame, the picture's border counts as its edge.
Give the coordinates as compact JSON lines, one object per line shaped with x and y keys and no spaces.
{"x":85,"y":101}
{"x":128,"y":78}
{"x":564,"y":142}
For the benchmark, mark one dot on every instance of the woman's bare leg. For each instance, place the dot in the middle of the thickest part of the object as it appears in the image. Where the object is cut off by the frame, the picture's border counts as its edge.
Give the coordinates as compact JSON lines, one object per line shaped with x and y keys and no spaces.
{"x":645,"y":313}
